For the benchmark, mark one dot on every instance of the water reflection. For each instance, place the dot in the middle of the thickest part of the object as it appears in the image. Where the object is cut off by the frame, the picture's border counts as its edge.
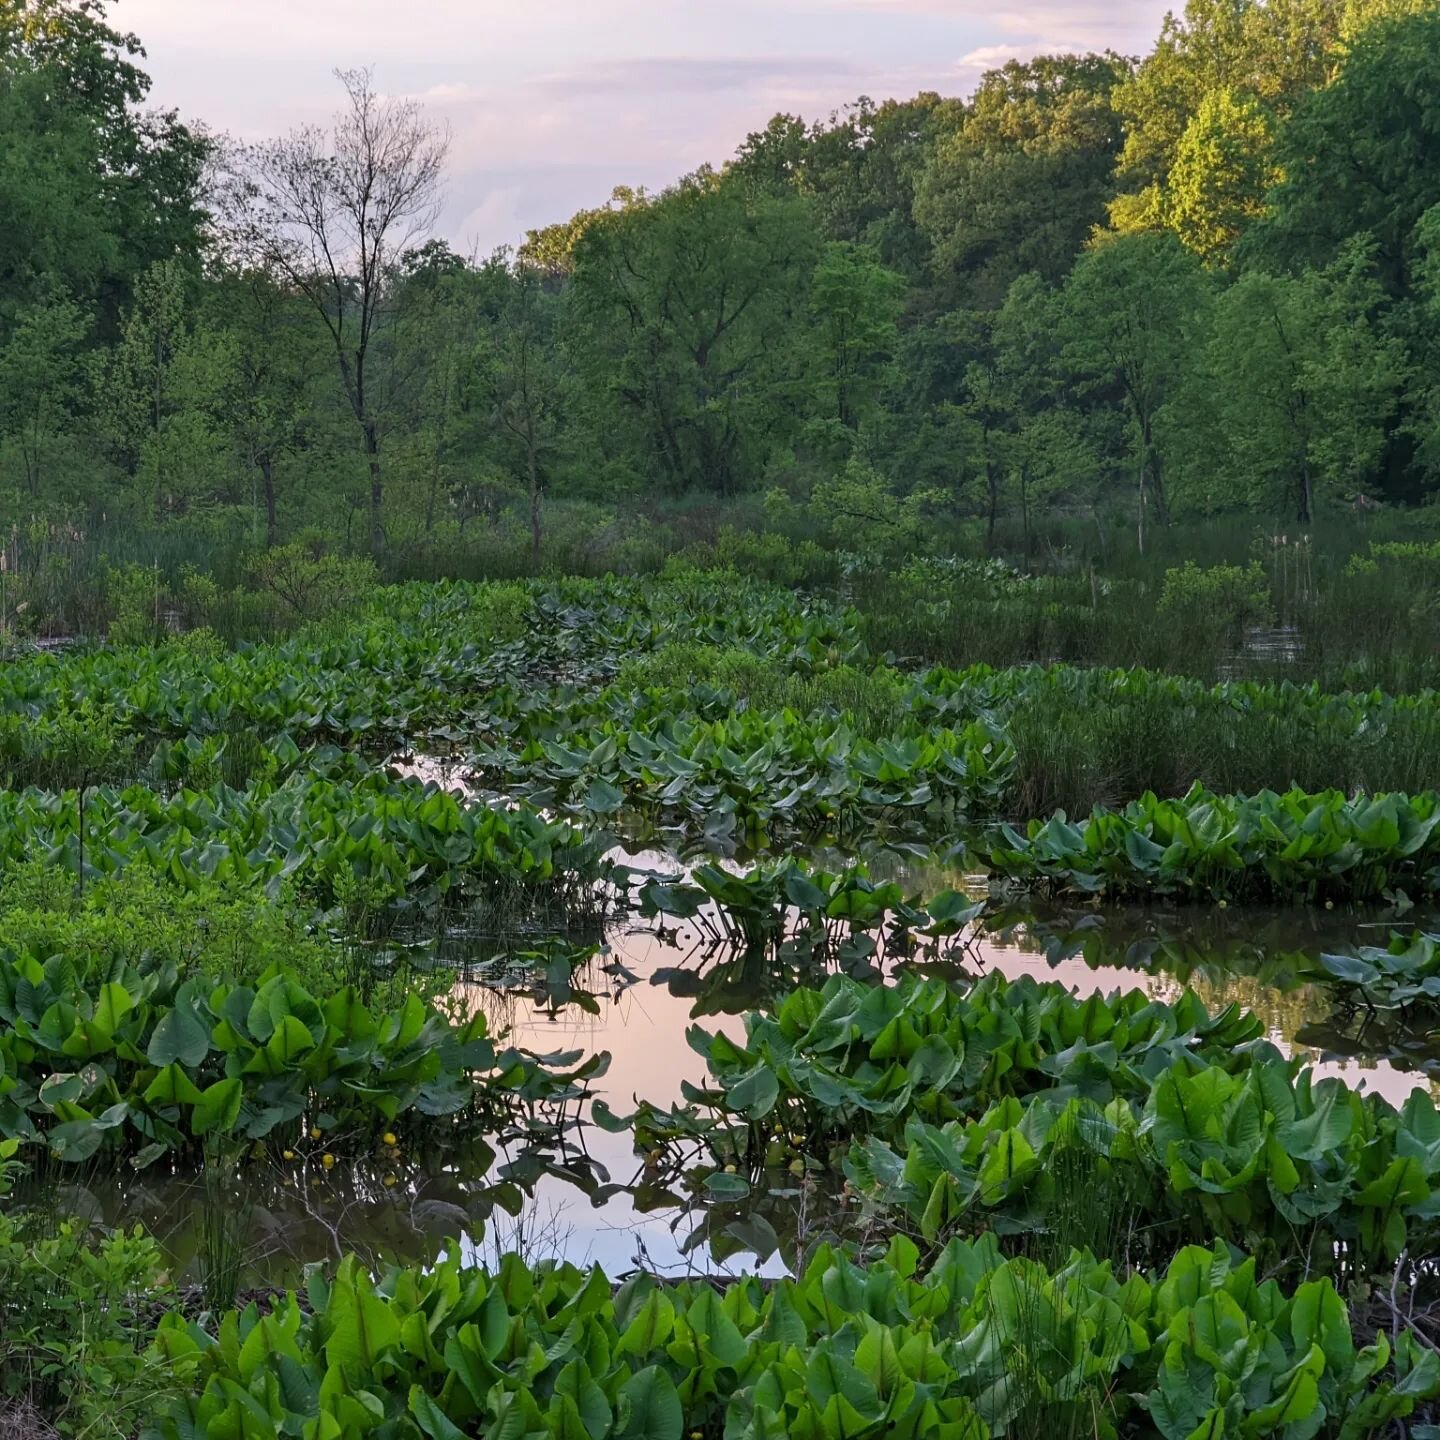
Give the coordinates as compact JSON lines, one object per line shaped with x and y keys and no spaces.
{"x":635,"y":990}
{"x":1250,"y":958}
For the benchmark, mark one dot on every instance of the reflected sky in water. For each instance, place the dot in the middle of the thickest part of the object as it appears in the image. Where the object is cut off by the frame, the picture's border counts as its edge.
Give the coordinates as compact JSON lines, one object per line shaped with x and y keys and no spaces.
{"x":637,"y":996}
{"x":643,"y":1026}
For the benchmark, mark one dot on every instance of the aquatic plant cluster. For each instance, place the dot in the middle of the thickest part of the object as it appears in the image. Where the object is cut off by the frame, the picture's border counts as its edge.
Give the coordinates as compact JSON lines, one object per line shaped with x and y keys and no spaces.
{"x":999,"y":1207}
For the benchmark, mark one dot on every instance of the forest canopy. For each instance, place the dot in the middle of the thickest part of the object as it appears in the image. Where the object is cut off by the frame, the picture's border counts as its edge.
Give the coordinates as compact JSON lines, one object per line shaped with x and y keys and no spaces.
{"x":1202,"y":281}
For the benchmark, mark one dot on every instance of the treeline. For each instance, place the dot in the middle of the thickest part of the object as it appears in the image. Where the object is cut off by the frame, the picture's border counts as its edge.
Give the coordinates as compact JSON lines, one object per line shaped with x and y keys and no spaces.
{"x":1205,"y":281}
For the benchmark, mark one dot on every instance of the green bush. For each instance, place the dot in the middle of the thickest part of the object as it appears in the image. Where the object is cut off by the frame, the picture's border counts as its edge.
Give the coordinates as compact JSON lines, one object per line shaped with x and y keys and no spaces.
{"x":979,"y":1346}
{"x":314,"y":584}
{"x":75,"y":1320}
{"x":1217,"y":599}
{"x":763,"y":554}
{"x":139,"y":918}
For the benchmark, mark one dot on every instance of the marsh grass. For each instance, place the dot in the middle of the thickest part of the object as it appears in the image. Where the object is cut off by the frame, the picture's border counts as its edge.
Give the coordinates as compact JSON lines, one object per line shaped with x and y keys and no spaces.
{"x":874,"y":701}
{"x":1096,"y":1208}
{"x":1354,"y":620}
{"x":226,"y":1209}
{"x":1050,"y":1380}
{"x":1072,"y":754}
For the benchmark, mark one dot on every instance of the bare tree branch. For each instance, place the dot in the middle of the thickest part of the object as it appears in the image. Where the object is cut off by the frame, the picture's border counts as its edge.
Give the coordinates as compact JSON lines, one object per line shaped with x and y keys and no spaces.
{"x":333,"y":213}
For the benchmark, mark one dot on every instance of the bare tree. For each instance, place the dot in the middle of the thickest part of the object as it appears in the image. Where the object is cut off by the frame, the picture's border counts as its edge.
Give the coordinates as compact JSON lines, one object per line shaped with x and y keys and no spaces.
{"x":333,"y":212}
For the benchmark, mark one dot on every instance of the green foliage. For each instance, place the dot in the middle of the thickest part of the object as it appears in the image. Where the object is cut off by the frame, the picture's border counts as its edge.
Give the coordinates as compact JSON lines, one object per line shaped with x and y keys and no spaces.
{"x":1405,"y":975}
{"x":1201,"y":109}
{"x":967,"y":1350}
{"x":392,"y":838}
{"x":166,"y":398}
{"x":1084,"y":735}
{"x":1298,"y":381}
{"x":857,"y":505}
{"x":916,"y":305}
{"x":65,"y":747}
{"x":1018,"y":188}
{"x":145,"y":1064}
{"x":751,"y":772}
{"x":74,"y":1338}
{"x":857,"y":302}
{"x":1132,"y":309}
{"x":806,"y":907}
{"x":314,"y":586}
{"x":724,"y":707}
{"x":685,"y":305}
{"x":1269,"y":845}
{"x":95,"y":186}
{"x":138,"y":918}
{"x":1226,"y":598}
{"x":981,"y":1108}
{"x":1359,"y":157}
{"x":1222,"y":169}
{"x":762,"y":555}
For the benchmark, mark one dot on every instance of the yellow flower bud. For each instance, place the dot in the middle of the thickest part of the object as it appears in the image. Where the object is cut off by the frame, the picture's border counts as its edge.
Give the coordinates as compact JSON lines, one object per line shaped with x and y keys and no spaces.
{"x":327,"y":1160}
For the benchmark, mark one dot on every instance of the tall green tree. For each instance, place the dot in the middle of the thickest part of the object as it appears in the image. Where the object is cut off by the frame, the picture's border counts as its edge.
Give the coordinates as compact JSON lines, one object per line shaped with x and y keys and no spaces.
{"x":1223,"y":168}
{"x":1051,"y":455}
{"x":94,"y":189}
{"x":43,"y":377}
{"x":1304,"y":382}
{"x":859,"y":170}
{"x":1361,"y":157}
{"x":278,"y":357}
{"x":856,"y":302}
{"x":1021,"y":185}
{"x":1203,"y":110}
{"x":525,"y":387}
{"x":169,"y":388}
{"x":1423,"y":392}
{"x":1132,"y":307}
{"x":689,"y":310}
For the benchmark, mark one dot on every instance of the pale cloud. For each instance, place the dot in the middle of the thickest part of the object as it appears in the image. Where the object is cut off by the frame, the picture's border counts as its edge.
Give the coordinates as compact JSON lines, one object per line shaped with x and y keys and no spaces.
{"x":649,"y":75}
{"x":1054,"y":26}
{"x":550,"y":106}
{"x":989,"y":57}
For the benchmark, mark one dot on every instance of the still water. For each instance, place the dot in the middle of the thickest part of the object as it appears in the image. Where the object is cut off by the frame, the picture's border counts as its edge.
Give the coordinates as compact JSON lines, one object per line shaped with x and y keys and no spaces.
{"x":636,"y":997}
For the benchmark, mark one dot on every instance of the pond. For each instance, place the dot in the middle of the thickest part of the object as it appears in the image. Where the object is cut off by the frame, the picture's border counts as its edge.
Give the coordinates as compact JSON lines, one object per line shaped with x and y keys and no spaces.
{"x":636,"y":990}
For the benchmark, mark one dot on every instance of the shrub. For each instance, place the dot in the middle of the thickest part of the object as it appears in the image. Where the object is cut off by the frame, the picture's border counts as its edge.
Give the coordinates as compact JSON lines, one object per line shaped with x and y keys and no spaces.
{"x":313,"y":584}
{"x":74,"y":1323}
{"x":859,"y":509}
{"x":762,"y":555}
{"x":1223,"y":598}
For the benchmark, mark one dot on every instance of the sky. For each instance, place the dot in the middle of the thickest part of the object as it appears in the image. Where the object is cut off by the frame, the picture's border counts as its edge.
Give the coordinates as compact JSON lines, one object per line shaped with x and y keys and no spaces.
{"x":552,"y":103}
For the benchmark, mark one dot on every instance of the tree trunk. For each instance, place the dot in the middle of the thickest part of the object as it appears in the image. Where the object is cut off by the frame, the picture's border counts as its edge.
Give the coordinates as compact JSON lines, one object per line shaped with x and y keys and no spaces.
{"x":431,"y":497}
{"x":30,"y":449}
{"x":1157,"y":487}
{"x":1140,"y":505}
{"x":267,"y":485}
{"x":1150,"y":462}
{"x":532,"y":466}
{"x":377,"y":491}
{"x":1306,"y":496}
